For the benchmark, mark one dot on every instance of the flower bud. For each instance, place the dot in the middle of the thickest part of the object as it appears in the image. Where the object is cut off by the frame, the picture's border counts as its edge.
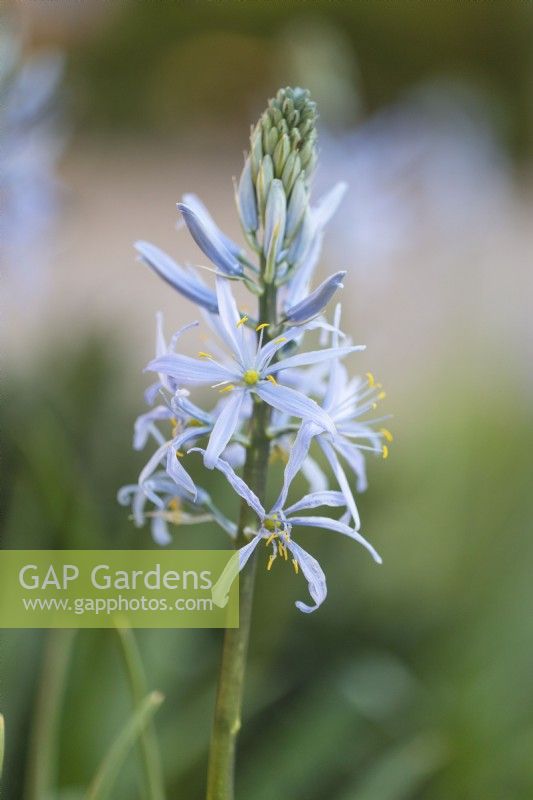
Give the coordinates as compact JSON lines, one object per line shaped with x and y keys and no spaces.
{"x":246,"y":199}
{"x":264,"y":179}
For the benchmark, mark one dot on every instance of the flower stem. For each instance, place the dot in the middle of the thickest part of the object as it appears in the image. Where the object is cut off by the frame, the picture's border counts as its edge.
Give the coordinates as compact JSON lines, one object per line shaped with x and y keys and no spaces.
{"x":227,"y":721}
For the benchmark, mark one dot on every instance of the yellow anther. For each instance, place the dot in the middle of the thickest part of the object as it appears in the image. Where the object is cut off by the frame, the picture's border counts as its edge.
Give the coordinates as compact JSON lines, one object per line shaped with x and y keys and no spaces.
{"x":295,"y":565}
{"x":280,"y":340}
{"x":382,"y":396}
{"x":196,"y":423}
{"x":173,"y":422}
{"x":385,"y":451}
{"x":262,"y":325}
{"x":284,"y":552}
{"x":271,"y":561}
{"x":203,"y":354}
{"x":272,"y":380}
{"x":271,"y":538}
{"x":387,"y":435}
{"x":179,"y":454}
{"x":174,"y":504}
{"x":229,"y":388}
{"x":242,"y":320}
{"x":371,"y":379}
{"x":374,"y":406}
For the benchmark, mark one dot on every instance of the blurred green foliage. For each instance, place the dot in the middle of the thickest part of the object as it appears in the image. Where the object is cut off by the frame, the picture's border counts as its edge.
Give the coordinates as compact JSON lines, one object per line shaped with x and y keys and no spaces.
{"x":171,"y":66}
{"x":412,"y":682}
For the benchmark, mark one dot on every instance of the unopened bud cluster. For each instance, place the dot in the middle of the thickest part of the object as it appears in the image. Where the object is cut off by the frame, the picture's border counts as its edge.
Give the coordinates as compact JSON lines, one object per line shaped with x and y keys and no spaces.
{"x":274,"y":186}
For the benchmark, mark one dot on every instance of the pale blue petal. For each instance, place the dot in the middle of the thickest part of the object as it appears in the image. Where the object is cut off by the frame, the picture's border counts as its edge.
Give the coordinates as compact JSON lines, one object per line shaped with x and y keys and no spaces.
{"x":342,"y":480}
{"x":183,"y":406}
{"x":189,"y":370}
{"x":269,"y":350}
{"x":316,"y":302}
{"x":153,"y":462}
{"x":314,"y":357}
{"x":317,"y":499}
{"x":294,"y":403}
{"x":355,"y":459}
{"x":144,"y":426}
{"x":160,"y":533}
{"x":297,"y":455}
{"x":238,"y":560}
{"x":314,"y":475}
{"x":229,"y":329}
{"x":238,"y":484}
{"x":224,"y":428}
{"x":176,"y":276}
{"x":247,"y":200}
{"x":326,"y":207}
{"x":196,"y":205}
{"x":338,"y":527}
{"x":209,"y":240}
{"x":177,"y":472}
{"x":314,"y":575}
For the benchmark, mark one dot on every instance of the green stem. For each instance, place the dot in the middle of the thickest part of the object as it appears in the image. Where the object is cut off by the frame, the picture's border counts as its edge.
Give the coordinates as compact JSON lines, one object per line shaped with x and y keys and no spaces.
{"x":147,"y":740}
{"x":43,"y":756}
{"x":2,"y":744}
{"x":227,"y":721}
{"x":109,"y":769}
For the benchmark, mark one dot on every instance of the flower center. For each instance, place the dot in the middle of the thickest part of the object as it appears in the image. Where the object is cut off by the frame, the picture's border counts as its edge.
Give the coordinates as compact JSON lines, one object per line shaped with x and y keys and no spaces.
{"x":251,"y":376}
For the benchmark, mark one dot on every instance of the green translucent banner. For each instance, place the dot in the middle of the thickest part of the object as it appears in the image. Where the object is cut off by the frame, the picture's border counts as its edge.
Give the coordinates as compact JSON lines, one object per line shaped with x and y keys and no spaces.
{"x":106,"y":588}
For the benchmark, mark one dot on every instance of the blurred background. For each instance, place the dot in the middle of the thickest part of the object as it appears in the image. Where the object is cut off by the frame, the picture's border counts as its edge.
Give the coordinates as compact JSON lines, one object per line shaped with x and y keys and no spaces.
{"x":414,"y":680}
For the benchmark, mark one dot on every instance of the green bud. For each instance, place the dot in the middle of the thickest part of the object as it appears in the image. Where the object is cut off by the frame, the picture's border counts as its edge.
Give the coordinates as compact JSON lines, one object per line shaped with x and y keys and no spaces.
{"x":286,"y":129}
{"x":264,"y":179}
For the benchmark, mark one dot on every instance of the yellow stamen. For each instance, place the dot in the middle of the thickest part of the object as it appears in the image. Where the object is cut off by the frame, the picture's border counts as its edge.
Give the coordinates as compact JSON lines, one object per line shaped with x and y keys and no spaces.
{"x":387,"y":434}
{"x":203,"y":354}
{"x":284,"y":551}
{"x":271,"y":561}
{"x":385,"y":451}
{"x":242,"y":320}
{"x":371,"y":379}
{"x":272,"y":380}
{"x":173,"y":421}
{"x":374,"y":406}
{"x":229,"y":388}
{"x":262,"y":325}
{"x":179,"y":454}
{"x":280,"y":340}
{"x":295,"y":565}
{"x":271,"y":538}
{"x":174,"y":504}
{"x":382,"y":396}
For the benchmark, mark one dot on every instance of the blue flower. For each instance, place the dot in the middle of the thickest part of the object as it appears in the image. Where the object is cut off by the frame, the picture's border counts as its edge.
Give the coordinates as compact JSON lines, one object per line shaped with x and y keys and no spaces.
{"x":249,"y":370}
{"x":347,"y":401}
{"x":172,"y":505}
{"x":275,"y":530}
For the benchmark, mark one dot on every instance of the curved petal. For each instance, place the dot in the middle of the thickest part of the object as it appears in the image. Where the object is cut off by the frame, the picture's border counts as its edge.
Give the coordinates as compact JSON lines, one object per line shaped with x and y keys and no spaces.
{"x":294,"y":403}
{"x":144,"y":426}
{"x":339,"y":527}
{"x":317,"y":499}
{"x":177,"y":472}
{"x":224,"y":427}
{"x":160,"y":533}
{"x":314,"y":574}
{"x":208,"y":238}
{"x":297,"y":455}
{"x":342,"y":480}
{"x":242,"y":489}
{"x":238,"y":560}
{"x":314,"y":357}
{"x":185,"y":283}
{"x":191,"y":370}
{"x":231,"y":331}
{"x":316,"y":302}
